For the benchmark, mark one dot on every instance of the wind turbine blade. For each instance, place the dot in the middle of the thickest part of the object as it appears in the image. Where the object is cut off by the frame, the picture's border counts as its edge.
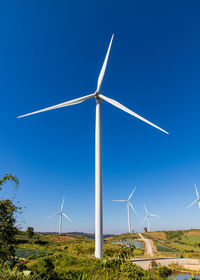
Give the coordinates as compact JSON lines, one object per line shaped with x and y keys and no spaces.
{"x":125,"y":109}
{"x":62,"y":204}
{"x":120,"y":200}
{"x":199,"y":204}
{"x":53,"y":215}
{"x":144,"y":219}
{"x":132,"y":208}
{"x":64,"y":104}
{"x":153,"y":215}
{"x":103,"y":69}
{"x":145,"y":209}
{"x":66,"y":217}
{"x":131,"y":194}
{"x":192,"y":203}
{"x":196,"y":190}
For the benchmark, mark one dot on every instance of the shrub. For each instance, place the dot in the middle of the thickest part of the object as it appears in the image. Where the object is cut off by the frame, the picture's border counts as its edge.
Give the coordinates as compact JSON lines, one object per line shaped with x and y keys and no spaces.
{"x":154,"y":264}
{"x":7,"y":274}
{"x":30,"y":232}
{"x":164,"y":271}
{"x":178,"y":234}
{"x":46,"y":268}
{"x":132,"y":271}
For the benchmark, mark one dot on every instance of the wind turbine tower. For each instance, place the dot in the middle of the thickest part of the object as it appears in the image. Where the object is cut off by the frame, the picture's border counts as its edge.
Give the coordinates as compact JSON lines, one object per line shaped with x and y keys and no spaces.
{"x":98,"y":148}
{"x":61,"y":214}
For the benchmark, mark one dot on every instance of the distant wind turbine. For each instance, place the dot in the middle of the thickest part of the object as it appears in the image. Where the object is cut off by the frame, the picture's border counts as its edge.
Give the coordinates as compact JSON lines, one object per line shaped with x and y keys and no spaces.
{"x":197,"y":200}
{"x":61,"y":214}
{"x":147,"y":217}
{"x":98,"y":148}
{"x":128,"y":208}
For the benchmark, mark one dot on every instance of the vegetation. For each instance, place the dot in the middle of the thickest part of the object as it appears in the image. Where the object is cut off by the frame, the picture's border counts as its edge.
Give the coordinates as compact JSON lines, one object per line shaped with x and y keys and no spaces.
{"x":174,"y":235}
{"x":122,"y":237}
{"x":8,"y":230}
{"x":51,"y":256}
{"x":75,"y":268}
{"x":17,"y":273}
{"x":30,"y":232}
{"x":29,"y":253}
{"x":9,"y":177}
{"x":161,"y":248}
{"x":76,"y":245}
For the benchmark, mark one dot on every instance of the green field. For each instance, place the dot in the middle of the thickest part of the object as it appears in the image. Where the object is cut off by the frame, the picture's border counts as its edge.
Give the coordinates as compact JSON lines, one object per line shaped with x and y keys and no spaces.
{"x":29,"y":253}
{"x":162,"y":248}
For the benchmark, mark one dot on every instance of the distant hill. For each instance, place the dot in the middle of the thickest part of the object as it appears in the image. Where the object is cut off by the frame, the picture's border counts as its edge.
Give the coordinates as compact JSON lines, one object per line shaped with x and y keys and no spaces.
{"x":75,"y":233}
{"x":88,"y":235}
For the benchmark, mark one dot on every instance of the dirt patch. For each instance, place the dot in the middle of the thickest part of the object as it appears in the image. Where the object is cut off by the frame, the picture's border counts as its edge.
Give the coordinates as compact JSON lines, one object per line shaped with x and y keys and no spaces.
{"x":60,"y":238}
{"x":154,"y":248}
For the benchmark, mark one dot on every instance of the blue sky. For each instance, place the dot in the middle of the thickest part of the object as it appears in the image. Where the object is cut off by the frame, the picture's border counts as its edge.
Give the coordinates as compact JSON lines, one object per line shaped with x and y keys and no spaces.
{"x":51,"y":52}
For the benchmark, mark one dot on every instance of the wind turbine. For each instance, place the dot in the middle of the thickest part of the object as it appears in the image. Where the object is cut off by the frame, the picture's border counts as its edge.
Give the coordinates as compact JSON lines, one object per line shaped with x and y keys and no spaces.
{"x":197,"y":200}
{"x":128,"y":208}
{"x":147,"y":217}
{"x":98,"y":149}
{"x":61,"y":214}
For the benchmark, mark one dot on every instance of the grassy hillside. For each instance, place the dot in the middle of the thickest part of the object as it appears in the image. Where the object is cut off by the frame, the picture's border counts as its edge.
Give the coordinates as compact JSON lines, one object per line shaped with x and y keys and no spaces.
{"x":46,"y":244}
{"x":122,"y":237}
{"x":70,"y":257}
{"x":58,"y":257}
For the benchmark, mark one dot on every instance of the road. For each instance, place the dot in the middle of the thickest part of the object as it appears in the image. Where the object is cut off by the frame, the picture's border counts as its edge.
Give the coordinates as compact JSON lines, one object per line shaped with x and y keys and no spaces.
{"x":148,"y":244}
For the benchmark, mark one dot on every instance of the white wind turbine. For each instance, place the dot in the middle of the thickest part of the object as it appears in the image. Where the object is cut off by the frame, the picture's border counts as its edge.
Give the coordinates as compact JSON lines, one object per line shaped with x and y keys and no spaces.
{"x":61,"y":214}
{"x":128,"y":208}
{"x":98,"y":150}
{"x":197,"y":200}
{"x":147,"y":217}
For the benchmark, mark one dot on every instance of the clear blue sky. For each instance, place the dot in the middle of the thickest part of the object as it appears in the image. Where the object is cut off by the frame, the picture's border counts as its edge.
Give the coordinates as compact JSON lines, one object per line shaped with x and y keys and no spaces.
{"x":51,"y":52}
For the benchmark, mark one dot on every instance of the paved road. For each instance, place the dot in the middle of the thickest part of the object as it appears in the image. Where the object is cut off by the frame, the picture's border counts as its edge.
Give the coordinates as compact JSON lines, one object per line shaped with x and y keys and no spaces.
{"x":148,"y":245}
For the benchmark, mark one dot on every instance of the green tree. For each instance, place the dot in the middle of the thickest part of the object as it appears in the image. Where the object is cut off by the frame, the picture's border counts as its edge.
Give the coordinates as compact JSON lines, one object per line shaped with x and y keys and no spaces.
{"x":9,"y":177}
{"x":30,"y":232}
{"x":8,"y":230}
